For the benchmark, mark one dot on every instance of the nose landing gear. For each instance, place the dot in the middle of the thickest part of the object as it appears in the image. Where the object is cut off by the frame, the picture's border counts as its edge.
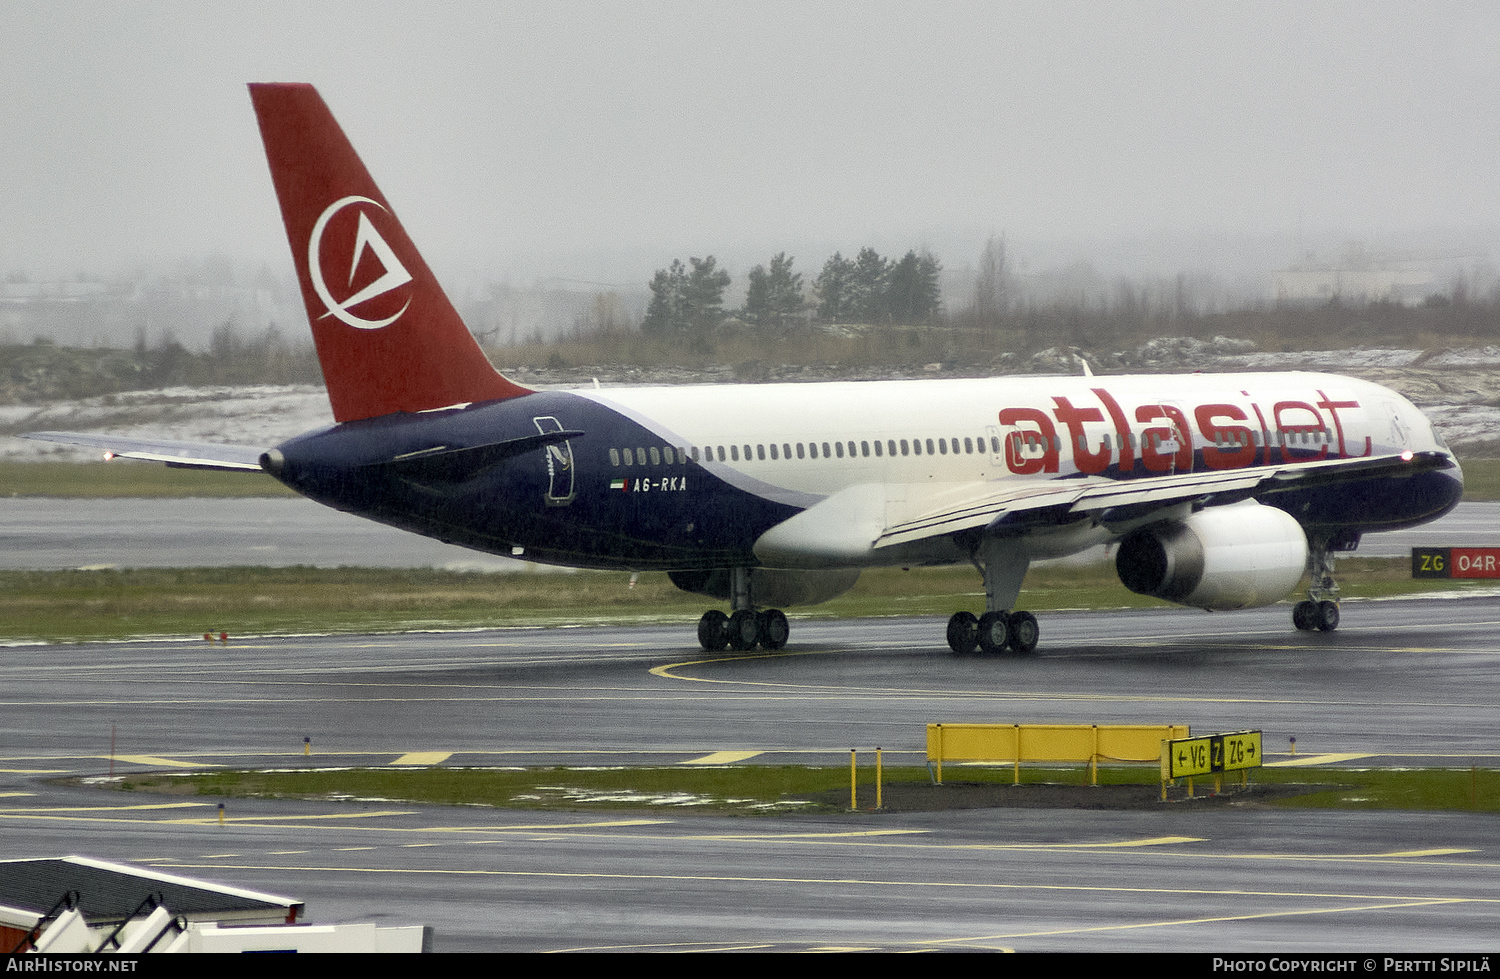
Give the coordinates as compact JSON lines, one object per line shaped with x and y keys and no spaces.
{"x":1320,"y":611}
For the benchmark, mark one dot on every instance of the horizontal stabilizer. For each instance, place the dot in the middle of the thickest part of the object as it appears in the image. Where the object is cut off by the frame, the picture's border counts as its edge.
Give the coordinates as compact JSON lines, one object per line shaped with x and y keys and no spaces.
{"x":444,"y":464}
{"x":182,"y":455}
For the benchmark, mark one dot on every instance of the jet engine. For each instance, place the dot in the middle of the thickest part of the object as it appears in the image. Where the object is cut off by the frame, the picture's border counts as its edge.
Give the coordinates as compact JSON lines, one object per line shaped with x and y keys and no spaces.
{"x":770,"y":588}
{"x":1221,"y":558}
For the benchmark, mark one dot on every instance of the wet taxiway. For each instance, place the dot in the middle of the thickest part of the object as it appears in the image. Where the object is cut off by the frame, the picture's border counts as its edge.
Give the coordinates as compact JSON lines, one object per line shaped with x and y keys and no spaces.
{"x":1401,"y":683}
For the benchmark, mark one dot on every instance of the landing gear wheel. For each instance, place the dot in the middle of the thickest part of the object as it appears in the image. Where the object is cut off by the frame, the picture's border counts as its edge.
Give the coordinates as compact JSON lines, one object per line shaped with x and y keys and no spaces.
{"x":1327,"y":618}
{"x":994,"y":632}
{"x":1024,"y":632}
{"x":963,"y":633}
{"x":713,"y":631}
{"x":773,"y":629}
{"x":744,"y":630}
{"x":1304,"y":616}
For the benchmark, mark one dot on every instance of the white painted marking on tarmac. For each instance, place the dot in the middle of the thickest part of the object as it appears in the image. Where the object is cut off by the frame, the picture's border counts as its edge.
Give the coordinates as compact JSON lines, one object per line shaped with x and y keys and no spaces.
{"x":157,"y":762}
{"x":809,"y":836}
{"x":721,"y":758}
{"x":423,"y":758}
{"x":156,"y":805}
{"x":264,"y":819}
{"x":1304,"y":760}
{"x":1117,"y":844}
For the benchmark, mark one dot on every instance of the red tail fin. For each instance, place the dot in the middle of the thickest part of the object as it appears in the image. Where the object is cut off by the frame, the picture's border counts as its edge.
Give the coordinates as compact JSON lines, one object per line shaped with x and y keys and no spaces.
{"x":388,"y":338}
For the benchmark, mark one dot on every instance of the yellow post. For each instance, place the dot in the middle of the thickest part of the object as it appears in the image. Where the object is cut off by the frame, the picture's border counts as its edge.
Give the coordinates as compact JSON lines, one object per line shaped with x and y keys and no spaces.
{"x":1016,"y":771}
{"x":940,"y":754}
{"x":221,"y":814}
{"x":878,"y":800}
{"x":307,"y":746}
{"x":853,"y":803}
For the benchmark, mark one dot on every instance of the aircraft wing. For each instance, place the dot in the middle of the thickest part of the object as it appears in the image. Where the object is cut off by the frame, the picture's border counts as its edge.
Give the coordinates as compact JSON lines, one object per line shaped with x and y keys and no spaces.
{"x":1115,"y":500}
{"x":849,"y":527}
{"x":181,"y":455}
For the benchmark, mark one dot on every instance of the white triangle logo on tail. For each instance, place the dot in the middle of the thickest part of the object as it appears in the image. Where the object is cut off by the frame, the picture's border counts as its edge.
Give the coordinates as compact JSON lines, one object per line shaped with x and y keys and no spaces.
{"x":366,"y":238}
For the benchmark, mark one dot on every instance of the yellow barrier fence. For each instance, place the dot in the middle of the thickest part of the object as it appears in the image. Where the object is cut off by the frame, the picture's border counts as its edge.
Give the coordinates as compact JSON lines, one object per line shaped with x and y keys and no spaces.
{"x":1016,"y":743}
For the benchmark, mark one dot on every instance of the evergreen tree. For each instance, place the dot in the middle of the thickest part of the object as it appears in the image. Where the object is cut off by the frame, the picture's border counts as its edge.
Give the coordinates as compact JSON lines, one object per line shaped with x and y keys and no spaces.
{"x":914,"y":295}
{"x":664,"y":313}
{"x":703,"y":301}
{"x":774,"y":296}
{"x":867,"y":293}
{"x":834,"y":286}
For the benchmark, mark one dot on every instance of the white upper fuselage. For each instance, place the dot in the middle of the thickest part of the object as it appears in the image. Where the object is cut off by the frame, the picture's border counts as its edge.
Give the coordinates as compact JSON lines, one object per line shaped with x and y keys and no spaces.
{"x":966,"y":431}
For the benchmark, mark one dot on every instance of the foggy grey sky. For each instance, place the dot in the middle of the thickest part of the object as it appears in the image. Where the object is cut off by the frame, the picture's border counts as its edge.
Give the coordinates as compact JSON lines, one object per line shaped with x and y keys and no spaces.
{"x":603,"y":139}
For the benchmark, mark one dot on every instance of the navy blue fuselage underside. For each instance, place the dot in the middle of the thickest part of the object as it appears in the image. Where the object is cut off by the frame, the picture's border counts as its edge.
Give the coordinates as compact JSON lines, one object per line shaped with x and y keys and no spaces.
{"x":571,"y":504}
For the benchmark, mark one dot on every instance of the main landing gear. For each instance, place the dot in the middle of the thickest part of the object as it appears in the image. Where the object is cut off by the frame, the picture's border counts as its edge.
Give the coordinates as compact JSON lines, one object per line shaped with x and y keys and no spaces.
{"x":742,"y":631}
{"x":999,"y":629}
{"x":746,"y":627}
{"x":1320,"y":611}
{"x":993,"y":632}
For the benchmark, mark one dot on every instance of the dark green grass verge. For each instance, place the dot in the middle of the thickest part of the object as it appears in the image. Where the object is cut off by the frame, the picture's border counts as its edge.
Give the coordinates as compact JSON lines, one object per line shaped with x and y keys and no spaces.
{"x":68,"y":606}
{"x":756,"y":789}
{"x":1481,"y":479}
{"x":130,"y":478}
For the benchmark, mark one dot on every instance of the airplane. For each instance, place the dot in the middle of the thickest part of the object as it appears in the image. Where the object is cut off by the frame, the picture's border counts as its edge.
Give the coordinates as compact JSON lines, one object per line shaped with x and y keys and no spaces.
{"x":1218,"y":491}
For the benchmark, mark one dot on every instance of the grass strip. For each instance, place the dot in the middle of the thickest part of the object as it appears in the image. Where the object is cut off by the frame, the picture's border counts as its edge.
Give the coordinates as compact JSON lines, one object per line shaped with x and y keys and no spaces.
{"x":764,"y":789}
{"x":130,"y":478}
{"x":110,"y":604}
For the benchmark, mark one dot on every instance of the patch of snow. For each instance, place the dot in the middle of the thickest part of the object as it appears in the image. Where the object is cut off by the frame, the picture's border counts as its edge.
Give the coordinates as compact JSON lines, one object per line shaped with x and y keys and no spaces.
{"x":262,"y":415}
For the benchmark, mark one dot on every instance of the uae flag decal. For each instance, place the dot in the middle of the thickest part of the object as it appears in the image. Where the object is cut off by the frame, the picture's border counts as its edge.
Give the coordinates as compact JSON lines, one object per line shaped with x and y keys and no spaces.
{"x":619,"y":484}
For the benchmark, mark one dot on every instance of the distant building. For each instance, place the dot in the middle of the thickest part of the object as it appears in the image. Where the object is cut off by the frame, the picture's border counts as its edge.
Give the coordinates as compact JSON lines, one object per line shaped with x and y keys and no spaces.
{"x":1358,"y":276}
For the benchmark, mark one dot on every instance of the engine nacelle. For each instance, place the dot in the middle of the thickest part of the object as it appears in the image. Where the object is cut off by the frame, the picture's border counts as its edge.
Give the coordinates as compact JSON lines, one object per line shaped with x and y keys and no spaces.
{"x":771,"y":588}
{"x":1221,"y":558}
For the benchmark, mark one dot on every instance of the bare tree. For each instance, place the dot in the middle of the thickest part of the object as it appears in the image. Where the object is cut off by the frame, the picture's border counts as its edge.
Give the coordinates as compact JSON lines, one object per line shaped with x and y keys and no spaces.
{"x":991,"y":285}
